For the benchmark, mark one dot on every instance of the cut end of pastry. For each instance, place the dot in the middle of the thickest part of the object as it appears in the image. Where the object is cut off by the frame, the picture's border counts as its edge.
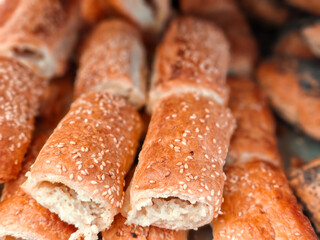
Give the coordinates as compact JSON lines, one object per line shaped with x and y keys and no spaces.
{"x":36,"y":58}
{"x":73,"y":206}
{"x":12,"y":235}
{"x":170,"y":213}
{"x":133,"y":95}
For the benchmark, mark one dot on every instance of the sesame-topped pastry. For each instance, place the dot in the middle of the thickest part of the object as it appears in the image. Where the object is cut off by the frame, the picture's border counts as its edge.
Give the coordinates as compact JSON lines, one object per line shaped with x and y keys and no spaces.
{"x":120,"y":231}
{"x":259,"y":204}
{"x":79,"y":173}
{"x":255,"y":135}
{"x":293,"y":87}
{"x":20,"y":91}
{"x":193,"y":57}
{"x":179,"y":179}
{"x":227,"y":15}
{"x":21,"y":217}
{"x":113,"y":60}
{"x":305,"y":182}
{"x":39,"y":33}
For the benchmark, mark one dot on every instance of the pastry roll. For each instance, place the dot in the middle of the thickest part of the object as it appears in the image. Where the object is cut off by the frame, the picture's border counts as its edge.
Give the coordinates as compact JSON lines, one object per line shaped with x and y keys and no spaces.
{"x":255,"y":134}
{"x":113,"y":60}
{"x":21,"y":217}
{"x":20,"y":91}
{"x":120,"y":231}
{"x":227,"y":15}
{"x":259,"y":204}
{"x":150,"y":15}
{"x":306,"y":185}
{"x":292,"y":85}
{"x":79,"y":173}
{"x":39,"y":33}
{"x":312,"y":6}
{"x":179,"y":179}
{"x":193,"y":57}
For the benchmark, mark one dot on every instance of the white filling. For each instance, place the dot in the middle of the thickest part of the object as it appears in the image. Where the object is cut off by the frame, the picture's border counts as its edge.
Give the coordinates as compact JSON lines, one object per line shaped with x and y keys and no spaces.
{"x":172,"y":212}
{"x":73,"y":208}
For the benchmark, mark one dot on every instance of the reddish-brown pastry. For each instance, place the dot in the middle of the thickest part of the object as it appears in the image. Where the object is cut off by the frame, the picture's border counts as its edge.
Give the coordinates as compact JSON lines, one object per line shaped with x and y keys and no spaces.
{"x":311,"y":34}
{"x":293,"y":87}
{"x":193,"y":57}
{"x":120,"y":231}
{"x":55,"y":103}
{"x":306,"y":185}
{"x":226,"y":14}
{"x":272,"y":12}
{"x":20,"y":91}
{"x":113,"y":60}
{"x":312,"y":6}
{"x":79,"y":173}
{"x":259,"y":204}
{"x":21,"y":217}
{"x":149,"y":15}
{"x":39,"y":33}
{"x":300,"y":39}
{"x":255,"y":133}
{"x":179,"y":179}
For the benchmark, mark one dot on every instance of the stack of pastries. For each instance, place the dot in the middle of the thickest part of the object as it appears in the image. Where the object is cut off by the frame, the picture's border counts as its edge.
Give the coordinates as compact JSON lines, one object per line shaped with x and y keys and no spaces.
{"x":79,"y":86}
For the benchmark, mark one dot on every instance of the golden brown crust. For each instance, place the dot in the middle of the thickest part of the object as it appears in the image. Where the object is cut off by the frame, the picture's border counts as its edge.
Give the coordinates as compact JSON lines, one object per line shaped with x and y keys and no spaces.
{"x":229,"y":18}
{"x":312,"y":6}
{"x":23,"y":217}
{"x":93,"y":10}
{"x":20,"y":91}
{"x":258,"y":204}
{"x":41,"y":34}
{"x":113,"y":59}
{"x":187,"y":61}
{"x":183,"y":155}
{"x":255,"y":133}
{"x":301,"y":103}
{"x":120,"y":231}
{"x":13,"y":186}
{"x":305,"y":182}
{"x":91,"y":149}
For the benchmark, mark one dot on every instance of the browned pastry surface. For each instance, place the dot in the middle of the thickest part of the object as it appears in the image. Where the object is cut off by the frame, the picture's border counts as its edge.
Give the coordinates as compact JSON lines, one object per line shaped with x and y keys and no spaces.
{"x":88,"y":154}
{"x":293,"y":87}
{"x":55,"y":103}
{"x":181,"y":160}
{"x":259,"y":204}
{"x":270,"y":11}
{"x":187,"y":60}
{"x":255,"y":133}
{"x":305,"y":182}
{"x":113,"y":60}
{"x":226,"y":14}
{"x":120,"y":231}
{"x":312,"y":6}
{"x":39,"y":33}
{"x":20,"y":91}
